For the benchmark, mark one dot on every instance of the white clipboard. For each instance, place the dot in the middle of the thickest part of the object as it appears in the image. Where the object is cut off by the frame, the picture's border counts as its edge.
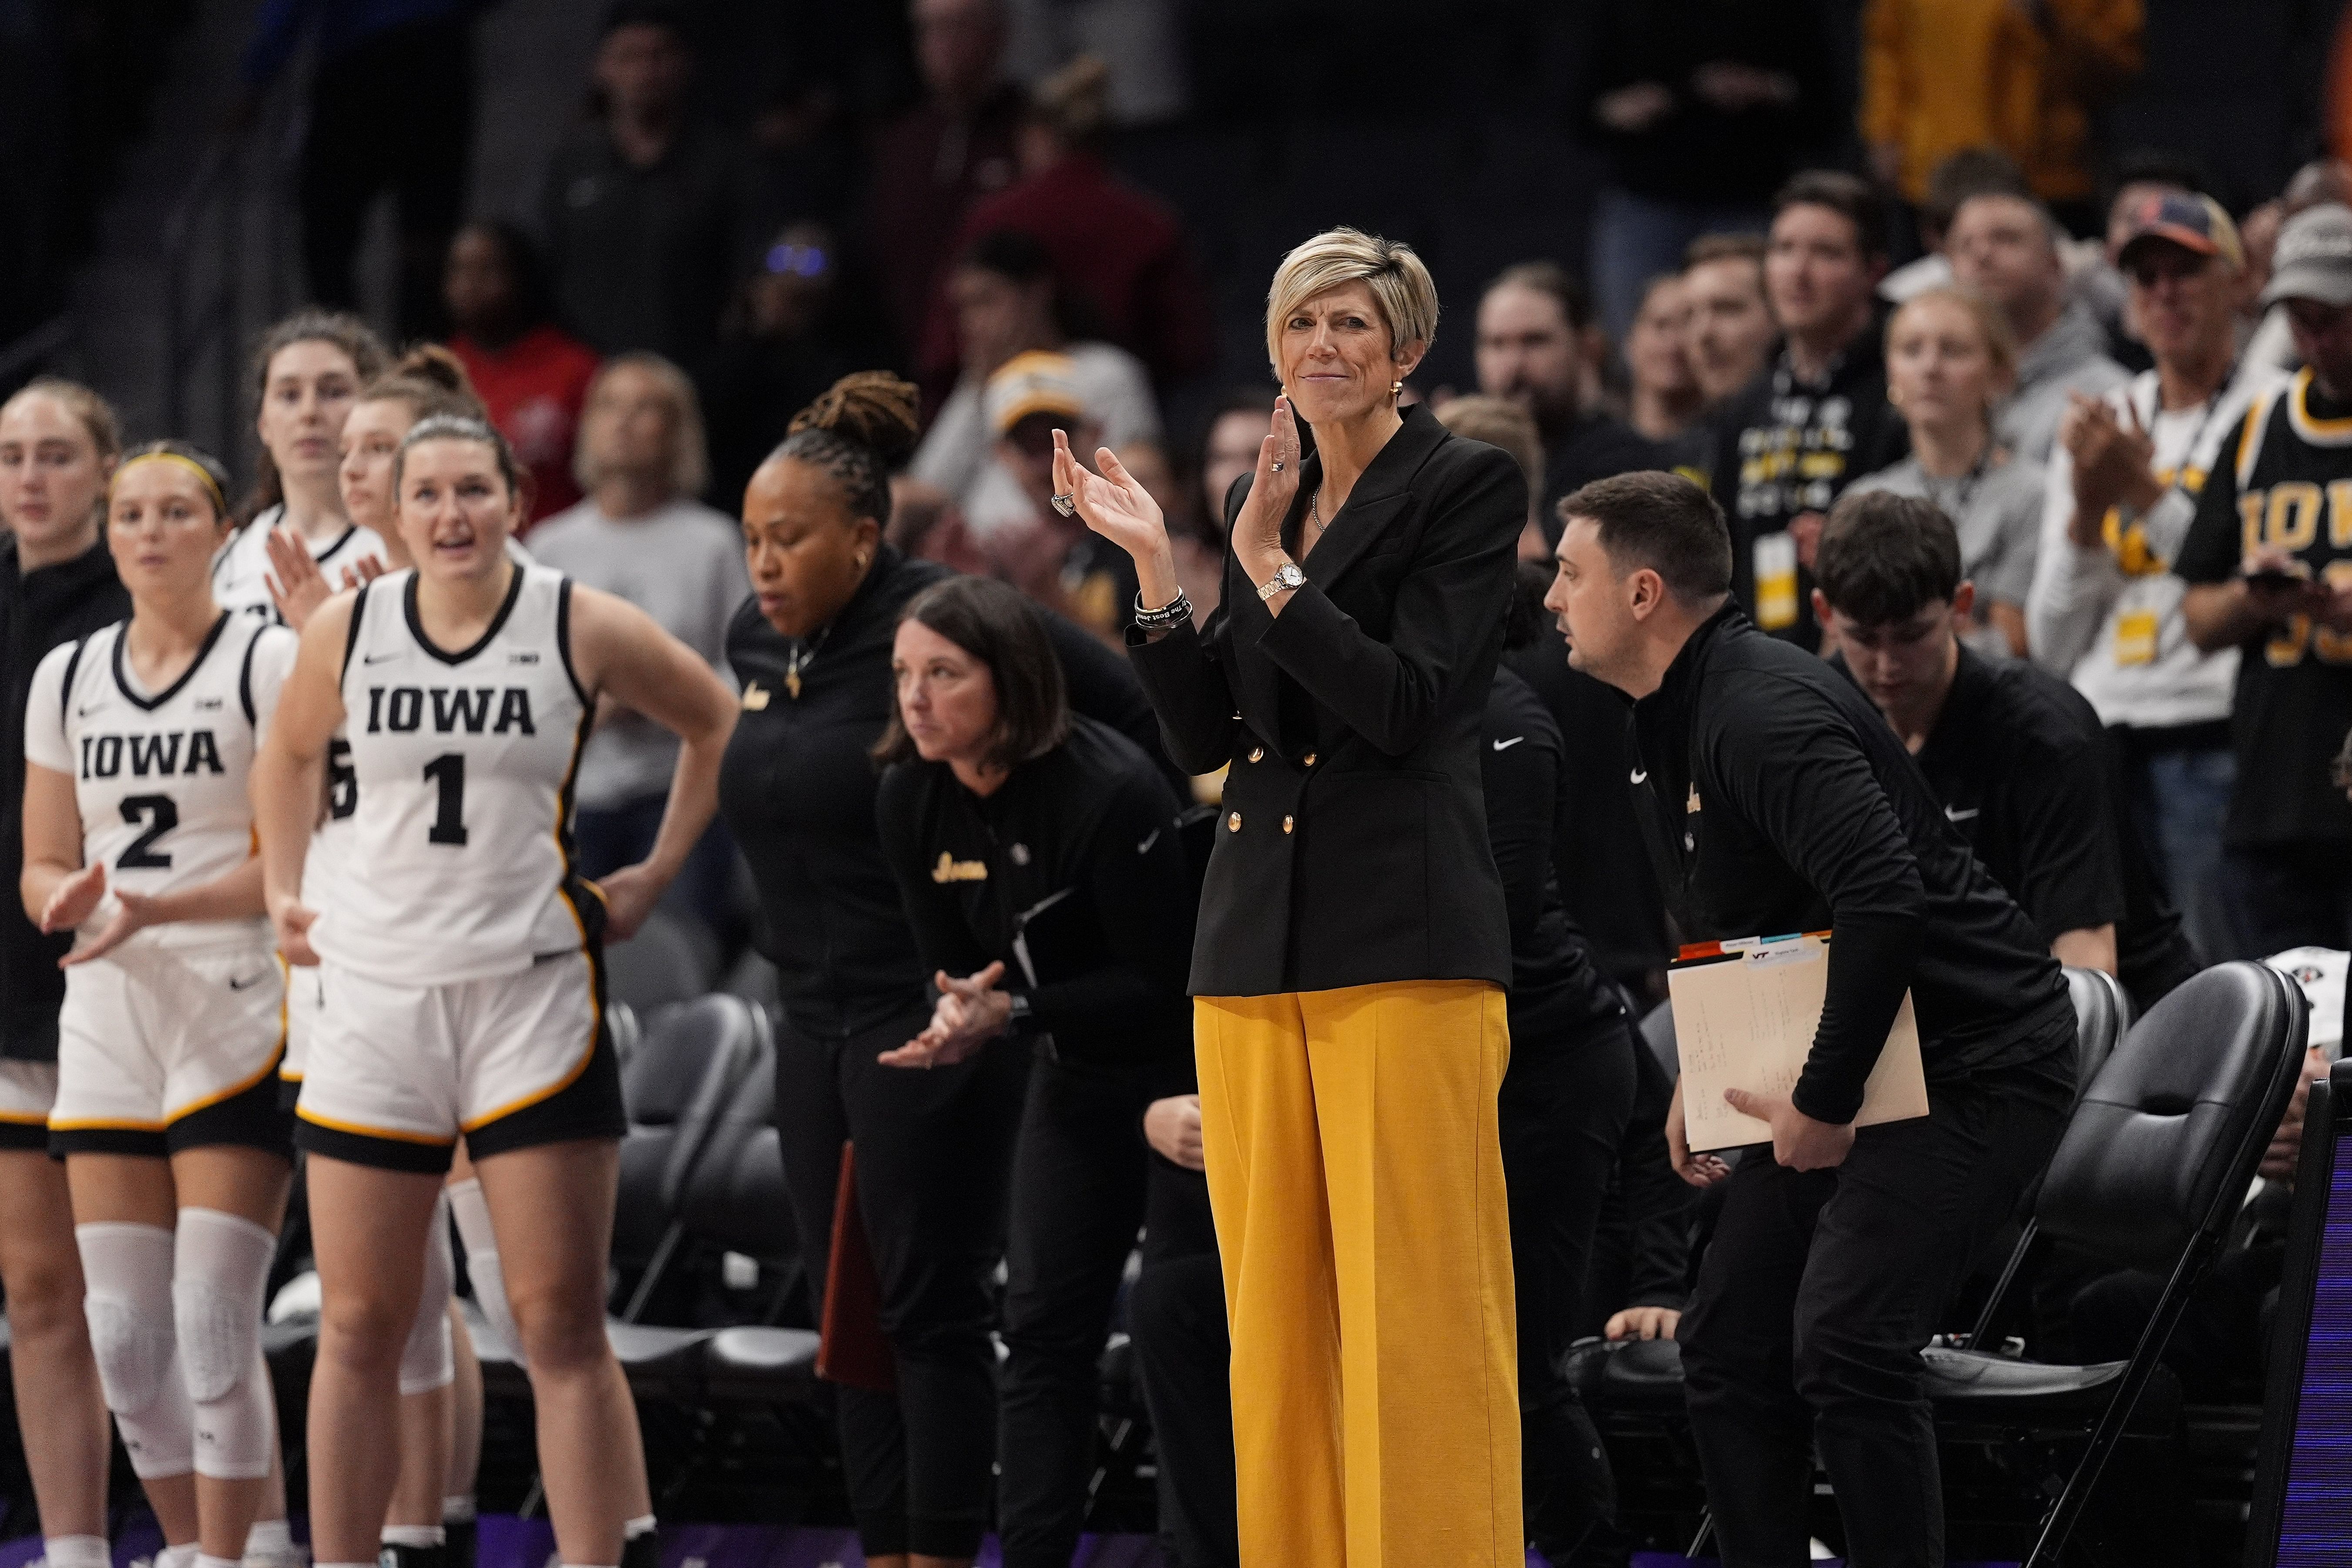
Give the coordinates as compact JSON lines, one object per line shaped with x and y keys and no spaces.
{"x":1745,"y":1017}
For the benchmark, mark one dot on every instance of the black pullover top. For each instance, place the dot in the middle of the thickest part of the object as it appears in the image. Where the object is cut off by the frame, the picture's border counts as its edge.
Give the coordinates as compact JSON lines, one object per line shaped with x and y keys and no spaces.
{"x":1071,"y":872}
{"x":1776,"y":799}
{"x":39,"y":610}
{"x":798,"y":786}
{"x":1556,"y":994}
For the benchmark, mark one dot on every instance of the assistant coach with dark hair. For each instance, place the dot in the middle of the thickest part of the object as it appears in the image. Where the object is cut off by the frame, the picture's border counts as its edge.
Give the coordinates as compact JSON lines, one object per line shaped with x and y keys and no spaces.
{"x":1348,"y":974}
{"x":1775,"y":799}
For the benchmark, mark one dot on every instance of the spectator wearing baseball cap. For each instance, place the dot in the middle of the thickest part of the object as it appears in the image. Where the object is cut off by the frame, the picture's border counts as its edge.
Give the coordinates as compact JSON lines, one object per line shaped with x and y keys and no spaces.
{"x":2125,"y":476}
{"x":1055,"y":560}
{"x":2268,"y":562}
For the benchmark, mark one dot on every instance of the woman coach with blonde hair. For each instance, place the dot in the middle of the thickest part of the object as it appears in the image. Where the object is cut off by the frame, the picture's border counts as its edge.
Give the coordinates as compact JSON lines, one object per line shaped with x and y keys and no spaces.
{"x":1353,"y":948}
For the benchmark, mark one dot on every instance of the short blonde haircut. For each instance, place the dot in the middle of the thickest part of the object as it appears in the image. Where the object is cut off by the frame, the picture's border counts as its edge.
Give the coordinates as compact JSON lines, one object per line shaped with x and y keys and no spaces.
{"x":689,"y":454}
{"x":1500,"y":422}
{"x":1399,"y":282}
{"x":2001,"y":343}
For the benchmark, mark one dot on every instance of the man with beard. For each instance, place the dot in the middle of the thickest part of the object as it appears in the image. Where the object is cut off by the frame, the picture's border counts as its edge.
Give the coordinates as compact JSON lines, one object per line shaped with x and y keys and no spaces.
{"x":1532,"y":322}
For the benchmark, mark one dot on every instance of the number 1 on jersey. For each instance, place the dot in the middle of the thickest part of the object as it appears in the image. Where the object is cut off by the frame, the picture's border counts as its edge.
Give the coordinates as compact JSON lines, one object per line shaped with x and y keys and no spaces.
{"x":448,"y":772}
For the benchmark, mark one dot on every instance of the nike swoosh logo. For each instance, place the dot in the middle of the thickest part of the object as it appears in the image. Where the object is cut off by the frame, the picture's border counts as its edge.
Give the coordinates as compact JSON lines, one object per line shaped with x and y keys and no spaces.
{"x":86,"y":711}
{"x":1507,"y":745}
{"x":1953,"y":813}
{"x":249,"y":981}
{"x":1145,"y":847}
{"x":376,"y":658}
{"x":1641,"y":776}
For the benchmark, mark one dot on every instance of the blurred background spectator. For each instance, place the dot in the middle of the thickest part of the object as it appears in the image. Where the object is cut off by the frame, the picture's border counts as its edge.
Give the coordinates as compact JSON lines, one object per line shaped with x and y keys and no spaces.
{"x":1942,"y":75}
{"x":1731,"y":326}
{"x":648,"y":206}
{"x":391,"y":112}
{"x":531,"y":374}
{"x":797,"y":326}
{"x":1971,"y":171}
{"x":1532,"y":350}
{"x":1005,"y":299}
{"x":1663,"y":400}
{"x":641,"y":534}
{"x":931,"y":164}
{"x":2006,"y":248}
{"x":1057,"y":560}
{"x":1117,"y":250}
{"x":1703,"y":108}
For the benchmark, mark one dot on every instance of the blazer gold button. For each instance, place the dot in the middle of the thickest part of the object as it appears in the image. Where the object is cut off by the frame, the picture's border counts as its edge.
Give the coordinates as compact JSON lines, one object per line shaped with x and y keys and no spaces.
{"x":1311,"y":759}
{"x":1257,"y":754}
{"x":1286,"y":823}
{"x":1234,"y":823}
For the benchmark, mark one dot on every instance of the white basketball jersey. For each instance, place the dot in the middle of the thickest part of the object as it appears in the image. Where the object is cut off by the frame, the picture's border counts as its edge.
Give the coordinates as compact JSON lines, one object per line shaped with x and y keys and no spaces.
{"x":459,"y":858}
{"x":160,"y":779}
{"x":241,"y":573}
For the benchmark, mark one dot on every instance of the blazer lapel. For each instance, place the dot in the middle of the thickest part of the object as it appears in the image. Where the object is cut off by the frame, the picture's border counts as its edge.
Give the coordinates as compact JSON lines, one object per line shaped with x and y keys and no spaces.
{"x":1382,"y":495}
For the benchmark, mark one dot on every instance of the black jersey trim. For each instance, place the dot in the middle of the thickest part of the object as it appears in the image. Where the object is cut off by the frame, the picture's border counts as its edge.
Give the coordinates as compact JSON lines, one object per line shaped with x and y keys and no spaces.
{"x":497,"y":623}
{"x":149,"y":705}
{"x":322,"y":557}
{"x":245,"y":675}
{"x":351,"y":635}
{"x":73,"y":663}
{"x":563,"y":642}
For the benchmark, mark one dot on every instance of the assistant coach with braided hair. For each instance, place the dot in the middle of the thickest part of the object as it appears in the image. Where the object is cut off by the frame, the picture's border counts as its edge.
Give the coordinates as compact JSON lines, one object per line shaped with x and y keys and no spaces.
{"x":1353,"y":949}
{"x":812,"y":650}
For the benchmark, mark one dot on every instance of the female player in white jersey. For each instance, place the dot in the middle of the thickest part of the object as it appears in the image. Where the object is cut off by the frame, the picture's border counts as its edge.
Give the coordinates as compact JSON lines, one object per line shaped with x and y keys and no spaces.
{"x":463,"y":973}
{"x":138,"y":836}
{"x":430,"y":1520}
{"x":308,"y":371}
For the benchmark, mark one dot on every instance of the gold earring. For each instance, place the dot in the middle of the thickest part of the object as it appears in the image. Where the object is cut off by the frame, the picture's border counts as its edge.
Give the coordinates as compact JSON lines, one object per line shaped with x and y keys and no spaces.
{"x":862,"y":558}
{"x":1395,"y":387}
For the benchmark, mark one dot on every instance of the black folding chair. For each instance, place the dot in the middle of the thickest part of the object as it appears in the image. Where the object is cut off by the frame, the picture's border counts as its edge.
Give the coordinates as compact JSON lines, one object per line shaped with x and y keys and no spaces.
{"x":2153,"y":1164}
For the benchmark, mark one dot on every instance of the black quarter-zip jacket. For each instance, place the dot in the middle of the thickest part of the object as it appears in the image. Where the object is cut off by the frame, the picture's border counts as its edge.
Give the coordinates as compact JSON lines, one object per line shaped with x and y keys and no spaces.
{"x":39,"y":610}
{"x":1071,"y":872}
{"x":1775,"y":799}
{"x":798,"y":784}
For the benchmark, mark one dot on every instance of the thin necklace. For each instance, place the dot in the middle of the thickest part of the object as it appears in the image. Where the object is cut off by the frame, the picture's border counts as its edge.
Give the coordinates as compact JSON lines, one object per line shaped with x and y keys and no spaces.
{"x":803,"y":654}
{"x":1315,"y":511}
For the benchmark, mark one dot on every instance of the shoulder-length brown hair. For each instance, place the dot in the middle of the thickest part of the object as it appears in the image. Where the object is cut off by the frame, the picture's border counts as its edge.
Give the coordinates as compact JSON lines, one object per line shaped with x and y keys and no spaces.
{"x":994,"y":623}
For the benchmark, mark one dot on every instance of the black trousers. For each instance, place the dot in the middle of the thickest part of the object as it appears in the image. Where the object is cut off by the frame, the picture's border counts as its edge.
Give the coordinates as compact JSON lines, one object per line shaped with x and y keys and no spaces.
{"x":1561,"y":1117}
{"x":1184,"y":1353}
{"x":395,"y":115}
{"x":2297,"y":895}
{"x":1817,"y":1292}
{"x":1078,"y":1175}
{"x":934,"y":1149}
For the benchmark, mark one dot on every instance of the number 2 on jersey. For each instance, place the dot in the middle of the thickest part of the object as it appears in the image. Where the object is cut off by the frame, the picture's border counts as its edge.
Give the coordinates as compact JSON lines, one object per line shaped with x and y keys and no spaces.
{"x":161,"y":814}
{"x":448,"y":772}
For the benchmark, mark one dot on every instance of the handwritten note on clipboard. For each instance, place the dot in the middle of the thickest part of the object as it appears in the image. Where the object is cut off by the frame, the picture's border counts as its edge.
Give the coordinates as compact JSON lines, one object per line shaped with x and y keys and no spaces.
{"x":1745,"y":1017}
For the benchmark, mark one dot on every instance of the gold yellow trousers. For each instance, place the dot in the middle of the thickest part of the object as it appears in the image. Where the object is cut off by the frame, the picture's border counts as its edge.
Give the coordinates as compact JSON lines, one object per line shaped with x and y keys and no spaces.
{"x":1357,"y":1180}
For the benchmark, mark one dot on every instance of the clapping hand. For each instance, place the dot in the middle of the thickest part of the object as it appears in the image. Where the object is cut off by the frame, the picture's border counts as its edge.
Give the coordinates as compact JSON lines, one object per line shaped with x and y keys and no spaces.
{"x":968,"y":1014}
{"x":72,"y":900}
{"x":1114,"y":503}
{"x":133,"y":913}
{"x":297,"y":586}
{"x":2113,"y":464}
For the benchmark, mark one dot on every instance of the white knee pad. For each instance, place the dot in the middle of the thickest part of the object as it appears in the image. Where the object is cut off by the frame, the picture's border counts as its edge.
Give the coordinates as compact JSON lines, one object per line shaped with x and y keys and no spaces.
{"x":220,"y":1271}
{"x":428,"y":1361}
{"x":127,"y":1278}
{"x":471,"y":1210}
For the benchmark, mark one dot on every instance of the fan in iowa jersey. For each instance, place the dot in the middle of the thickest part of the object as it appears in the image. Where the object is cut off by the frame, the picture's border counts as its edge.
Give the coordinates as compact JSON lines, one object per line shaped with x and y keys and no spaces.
{"x":308,"y":371}
{"x":463,"y":974}
{"x":137,"y":740}
{"x":2269,"y":564}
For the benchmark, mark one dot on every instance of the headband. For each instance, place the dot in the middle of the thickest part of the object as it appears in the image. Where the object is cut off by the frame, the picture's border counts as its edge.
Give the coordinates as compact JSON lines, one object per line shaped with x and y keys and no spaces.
{"x":212,"y":485}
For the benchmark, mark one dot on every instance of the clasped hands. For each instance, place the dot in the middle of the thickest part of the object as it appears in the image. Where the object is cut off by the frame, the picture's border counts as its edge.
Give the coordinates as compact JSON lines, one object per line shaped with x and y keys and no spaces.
{"x":1798,"y":1142}
{"x":2115,"y":465}
{"x":968,"y":1014}
{"x":76,"y":898}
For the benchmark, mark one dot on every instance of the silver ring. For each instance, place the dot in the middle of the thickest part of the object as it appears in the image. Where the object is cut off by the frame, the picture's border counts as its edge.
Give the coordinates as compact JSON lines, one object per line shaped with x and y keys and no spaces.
{"x":1066,"y":505}
{"x":1277,"y":465}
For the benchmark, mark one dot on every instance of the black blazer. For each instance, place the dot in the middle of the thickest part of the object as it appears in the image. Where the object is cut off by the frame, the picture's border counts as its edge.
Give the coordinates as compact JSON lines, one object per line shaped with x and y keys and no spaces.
{"x":1351,"y":848}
